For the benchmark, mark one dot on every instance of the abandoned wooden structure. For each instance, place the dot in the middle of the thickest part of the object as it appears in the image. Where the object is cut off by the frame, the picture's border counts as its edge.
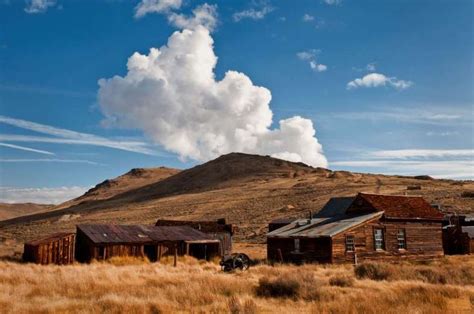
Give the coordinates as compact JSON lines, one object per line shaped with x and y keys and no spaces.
{"x":217,"y":229}
{"x":364,"y":227}
{"x":458,"y":234}
{"x":105,"y":241}
{"x":57,"y":249}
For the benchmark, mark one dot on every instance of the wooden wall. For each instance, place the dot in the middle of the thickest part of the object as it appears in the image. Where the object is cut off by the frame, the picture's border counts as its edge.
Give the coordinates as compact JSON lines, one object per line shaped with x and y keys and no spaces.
{"x":311,"y":250}
{"x":423,"y":241}
{"x":58,"y":251}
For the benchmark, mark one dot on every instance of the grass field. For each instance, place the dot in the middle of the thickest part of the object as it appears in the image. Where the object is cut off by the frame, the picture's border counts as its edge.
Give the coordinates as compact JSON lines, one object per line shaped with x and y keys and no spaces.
{"x":134,"y":286}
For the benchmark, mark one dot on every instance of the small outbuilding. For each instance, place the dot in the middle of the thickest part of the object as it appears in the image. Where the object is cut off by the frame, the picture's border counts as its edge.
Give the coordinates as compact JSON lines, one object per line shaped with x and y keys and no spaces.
{"x":56,"y":248}
{"x":364,"y":227}
{"x":458,"y":234}
{"x":217,"y":229}
{"x":105,"y":241}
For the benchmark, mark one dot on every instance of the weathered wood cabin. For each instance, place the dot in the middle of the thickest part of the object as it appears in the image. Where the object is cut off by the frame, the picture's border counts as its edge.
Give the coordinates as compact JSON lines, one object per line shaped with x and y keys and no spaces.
{"x":365,"y":227}
{"x":105,"y":241}
{"x":56,"y":248}
{"x":217,"y":229}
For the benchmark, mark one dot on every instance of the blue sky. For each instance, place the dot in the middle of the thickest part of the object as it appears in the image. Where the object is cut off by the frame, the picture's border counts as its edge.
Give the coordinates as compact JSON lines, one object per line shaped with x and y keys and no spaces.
{"x":387,"y":85}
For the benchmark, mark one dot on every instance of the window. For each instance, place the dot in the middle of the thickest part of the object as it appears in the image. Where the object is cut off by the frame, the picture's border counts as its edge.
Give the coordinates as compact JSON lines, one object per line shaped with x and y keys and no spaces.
{"x":297,"y":245}
{"x":379,"y":242}
{"x":350,"y":243}
{"x":401,"y":239}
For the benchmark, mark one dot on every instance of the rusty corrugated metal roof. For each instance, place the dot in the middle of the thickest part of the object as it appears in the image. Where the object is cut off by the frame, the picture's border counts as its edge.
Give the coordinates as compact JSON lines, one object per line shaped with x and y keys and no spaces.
{"x":103,"y":234}
{"x":321,"y":227}
{"x":50,"y":238}
{"x":407,"y":207}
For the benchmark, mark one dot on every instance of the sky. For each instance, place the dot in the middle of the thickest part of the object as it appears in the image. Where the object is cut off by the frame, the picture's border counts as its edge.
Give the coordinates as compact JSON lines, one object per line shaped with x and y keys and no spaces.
{"x":91,"y":89}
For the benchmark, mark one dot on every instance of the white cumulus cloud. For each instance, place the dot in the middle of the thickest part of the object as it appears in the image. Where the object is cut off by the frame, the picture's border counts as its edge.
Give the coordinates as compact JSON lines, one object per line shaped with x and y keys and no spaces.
{"x":156,"y":6}
{"x":377,"y":80}
{"x":173,"y":96}
{"x":38,"y":6}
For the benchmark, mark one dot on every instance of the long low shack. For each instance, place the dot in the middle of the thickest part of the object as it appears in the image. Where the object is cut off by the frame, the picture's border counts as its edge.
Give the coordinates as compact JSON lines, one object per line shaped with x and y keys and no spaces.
{"x":105,"y":241}
{"x":57,"y":248}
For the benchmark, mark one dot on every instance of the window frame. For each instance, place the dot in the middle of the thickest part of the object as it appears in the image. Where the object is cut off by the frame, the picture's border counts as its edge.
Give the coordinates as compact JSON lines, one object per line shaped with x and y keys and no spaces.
{"x":347,"y":244}
{"x":382,"y":240}
{"x":404,"y":232}
{"x":297,"y":245}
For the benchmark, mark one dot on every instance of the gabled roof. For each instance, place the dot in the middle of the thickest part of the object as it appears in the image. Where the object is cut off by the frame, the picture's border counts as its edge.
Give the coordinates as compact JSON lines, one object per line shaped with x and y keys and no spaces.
{"x":140,"y":234}
{"x":335,"y":206}
{"x":404,"y":207}
{"x":321,"y":227}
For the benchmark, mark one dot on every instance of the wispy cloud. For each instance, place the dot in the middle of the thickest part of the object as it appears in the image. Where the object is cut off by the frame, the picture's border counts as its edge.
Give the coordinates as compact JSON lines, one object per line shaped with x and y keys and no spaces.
{"x":376,"y":80}
{"x":40,"y":195}
{"x":439,"y":163}
{"x":145,"y":7}
{"x":68,"y":161}
{"x":455,"y":169}
{"x":430,"y":115}
{"x":65,"y":136}
{"x":310,"y":56}
{"x":39,"y":151}
{"x":38,"y":6}
{"x":308,"y":18}
{"x":422,"y":153}
{"x":257,"y":13}
{"x":332,"y":2}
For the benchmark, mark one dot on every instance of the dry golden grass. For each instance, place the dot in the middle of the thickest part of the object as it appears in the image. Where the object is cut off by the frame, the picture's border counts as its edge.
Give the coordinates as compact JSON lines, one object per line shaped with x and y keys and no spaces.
{"x":137,"y":286}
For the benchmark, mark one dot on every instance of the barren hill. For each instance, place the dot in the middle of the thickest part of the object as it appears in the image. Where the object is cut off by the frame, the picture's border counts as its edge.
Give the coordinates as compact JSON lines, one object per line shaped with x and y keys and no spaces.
{"x":8,"y":211}
{"x":248,"y":190}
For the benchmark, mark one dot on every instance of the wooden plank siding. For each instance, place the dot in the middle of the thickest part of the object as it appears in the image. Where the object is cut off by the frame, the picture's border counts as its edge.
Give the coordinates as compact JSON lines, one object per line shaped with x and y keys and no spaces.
{"x":56,"y":250}
{"x":423,"y":240}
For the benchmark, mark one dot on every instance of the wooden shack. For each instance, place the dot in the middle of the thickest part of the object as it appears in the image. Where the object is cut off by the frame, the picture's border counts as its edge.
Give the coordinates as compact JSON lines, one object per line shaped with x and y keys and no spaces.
{"x":458,"y":234}
{"x":365,"y":227}
{"x":217,"y":229}
{"x":105,"y":241}
{"x":56,"y":248}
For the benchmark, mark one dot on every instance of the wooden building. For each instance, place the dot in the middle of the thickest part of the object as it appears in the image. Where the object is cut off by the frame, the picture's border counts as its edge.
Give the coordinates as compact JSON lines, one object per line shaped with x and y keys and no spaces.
{"x":217,"y":229}
{"x":458,"y":234}
{"x":105,"y":241}
{"x":364,"y":227}
{"x":57,"y":249}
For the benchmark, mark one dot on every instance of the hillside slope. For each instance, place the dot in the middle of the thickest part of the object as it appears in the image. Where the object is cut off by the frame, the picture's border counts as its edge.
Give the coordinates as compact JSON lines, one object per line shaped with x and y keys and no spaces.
{"x":8,"y":211}
{"x":248,"y":190}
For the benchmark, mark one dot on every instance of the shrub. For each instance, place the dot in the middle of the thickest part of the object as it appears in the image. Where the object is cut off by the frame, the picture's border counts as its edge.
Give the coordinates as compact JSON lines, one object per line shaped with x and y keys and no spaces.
{"x":374,"y":271}
{"x":341,"y":281}
{"x":467,"y":194}
{"x":236,"y":306}
{"x":278,"y":288}
{"x":431,"y":276}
